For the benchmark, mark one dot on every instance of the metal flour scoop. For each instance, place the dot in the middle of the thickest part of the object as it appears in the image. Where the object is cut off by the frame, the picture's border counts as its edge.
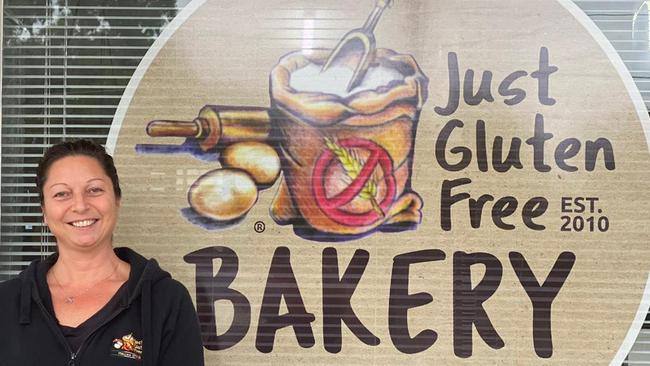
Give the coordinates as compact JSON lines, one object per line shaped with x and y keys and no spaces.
{"x":359,"y":41}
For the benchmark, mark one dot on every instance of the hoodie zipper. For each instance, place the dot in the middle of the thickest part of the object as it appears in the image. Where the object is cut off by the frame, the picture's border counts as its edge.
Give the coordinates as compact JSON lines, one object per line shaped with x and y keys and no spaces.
{"x":72,"y":358}
{"x":74,"y":355}
{"x":57,"y":331}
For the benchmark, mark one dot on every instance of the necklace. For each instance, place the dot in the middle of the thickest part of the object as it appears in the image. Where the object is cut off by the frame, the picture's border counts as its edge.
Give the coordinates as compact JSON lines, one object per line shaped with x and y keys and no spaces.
{"x":69,"y":299}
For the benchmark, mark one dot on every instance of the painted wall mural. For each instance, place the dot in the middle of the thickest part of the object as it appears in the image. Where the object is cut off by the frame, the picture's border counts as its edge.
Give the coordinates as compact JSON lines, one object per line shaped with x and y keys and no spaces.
{"x":341,"y":121}
{"x":445,"y":182}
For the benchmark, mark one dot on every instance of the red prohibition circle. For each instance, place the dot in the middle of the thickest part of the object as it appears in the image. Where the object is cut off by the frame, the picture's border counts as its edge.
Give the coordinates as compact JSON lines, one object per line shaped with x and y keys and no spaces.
{"x":331,"y":206}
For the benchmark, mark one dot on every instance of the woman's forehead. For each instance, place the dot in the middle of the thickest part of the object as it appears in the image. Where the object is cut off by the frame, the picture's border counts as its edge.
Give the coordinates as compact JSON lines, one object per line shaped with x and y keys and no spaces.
{"x":75,"y":168}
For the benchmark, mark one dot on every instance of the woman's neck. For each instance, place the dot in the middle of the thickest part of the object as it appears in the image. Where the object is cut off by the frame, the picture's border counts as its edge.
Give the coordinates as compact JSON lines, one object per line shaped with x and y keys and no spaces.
{"x":86,"y":267}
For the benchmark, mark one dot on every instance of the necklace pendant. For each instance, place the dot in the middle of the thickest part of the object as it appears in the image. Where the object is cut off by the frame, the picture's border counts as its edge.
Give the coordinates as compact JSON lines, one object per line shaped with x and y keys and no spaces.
{"x":69,"y":300}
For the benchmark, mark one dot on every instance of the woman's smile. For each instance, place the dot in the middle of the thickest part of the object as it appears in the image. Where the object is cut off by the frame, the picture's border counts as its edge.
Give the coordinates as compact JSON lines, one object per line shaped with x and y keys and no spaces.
{"x":83,"y":223}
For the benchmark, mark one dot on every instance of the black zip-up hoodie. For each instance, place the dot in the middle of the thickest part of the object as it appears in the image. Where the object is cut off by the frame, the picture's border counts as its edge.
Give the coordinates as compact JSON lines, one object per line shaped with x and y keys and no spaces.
{"x":155,"y":310}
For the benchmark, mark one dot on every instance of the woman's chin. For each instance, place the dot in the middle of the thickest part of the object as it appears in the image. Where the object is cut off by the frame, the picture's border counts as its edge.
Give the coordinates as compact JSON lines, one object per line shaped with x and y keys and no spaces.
{"x":85,"y":244}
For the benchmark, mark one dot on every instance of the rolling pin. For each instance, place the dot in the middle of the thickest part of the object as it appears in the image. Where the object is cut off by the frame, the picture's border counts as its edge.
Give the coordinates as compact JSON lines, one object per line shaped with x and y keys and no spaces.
{"x":217,"y":125}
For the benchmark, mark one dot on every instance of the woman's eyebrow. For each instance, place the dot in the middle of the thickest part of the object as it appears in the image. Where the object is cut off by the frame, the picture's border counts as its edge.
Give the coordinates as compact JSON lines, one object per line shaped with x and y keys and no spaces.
{"x":93,"y":179}
{"x":56,"y":184}
{"x":65,"y":184}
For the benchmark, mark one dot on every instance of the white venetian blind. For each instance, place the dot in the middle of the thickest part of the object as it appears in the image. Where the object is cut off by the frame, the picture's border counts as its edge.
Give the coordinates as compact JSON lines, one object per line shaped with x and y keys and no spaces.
{"x":65,"y":67}
{"x":625,"y":23}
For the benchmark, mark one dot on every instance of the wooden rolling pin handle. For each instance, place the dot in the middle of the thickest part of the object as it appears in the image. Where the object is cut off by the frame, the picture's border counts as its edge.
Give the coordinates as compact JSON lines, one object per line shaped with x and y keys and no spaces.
{"x":197,"y":128}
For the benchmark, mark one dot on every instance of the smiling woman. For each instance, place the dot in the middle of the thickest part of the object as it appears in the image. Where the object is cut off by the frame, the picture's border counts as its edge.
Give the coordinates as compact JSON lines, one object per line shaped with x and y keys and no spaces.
{"x":79,"y":204}
{"x":90,"y":303}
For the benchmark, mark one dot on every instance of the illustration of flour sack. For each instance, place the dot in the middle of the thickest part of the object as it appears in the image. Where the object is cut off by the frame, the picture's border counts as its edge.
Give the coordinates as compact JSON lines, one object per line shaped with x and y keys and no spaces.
{"x":347,"y":155}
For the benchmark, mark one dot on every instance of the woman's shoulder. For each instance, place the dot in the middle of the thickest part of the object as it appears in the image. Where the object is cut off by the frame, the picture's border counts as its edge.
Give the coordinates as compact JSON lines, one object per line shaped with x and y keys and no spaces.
{"x":8,"y":287}
{"x":27,"y":277}
{"x":170,"y":284}
{"x":170,"y":288}
{"x":172,"y":300}
{"x":9,"y":296}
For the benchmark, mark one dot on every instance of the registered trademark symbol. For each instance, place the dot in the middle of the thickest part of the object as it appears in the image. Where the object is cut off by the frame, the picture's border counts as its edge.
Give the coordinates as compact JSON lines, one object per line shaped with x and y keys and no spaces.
{"x":260,"y":227}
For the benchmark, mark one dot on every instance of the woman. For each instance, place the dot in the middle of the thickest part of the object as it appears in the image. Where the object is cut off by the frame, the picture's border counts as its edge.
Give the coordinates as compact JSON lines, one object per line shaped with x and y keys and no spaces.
{"x":91,"y":304}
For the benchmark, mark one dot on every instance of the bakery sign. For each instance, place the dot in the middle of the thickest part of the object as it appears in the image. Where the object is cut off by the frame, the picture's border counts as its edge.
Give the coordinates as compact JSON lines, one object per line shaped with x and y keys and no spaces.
{"x":383,"y":182}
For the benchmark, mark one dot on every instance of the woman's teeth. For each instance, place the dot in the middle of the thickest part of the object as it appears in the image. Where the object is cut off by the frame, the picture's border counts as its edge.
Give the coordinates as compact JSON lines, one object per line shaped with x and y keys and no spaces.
{"x":83,"y":223}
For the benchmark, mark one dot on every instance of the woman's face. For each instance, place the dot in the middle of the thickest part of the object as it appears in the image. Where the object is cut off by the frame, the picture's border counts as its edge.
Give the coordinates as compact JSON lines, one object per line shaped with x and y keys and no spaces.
{"x":79,"y":204}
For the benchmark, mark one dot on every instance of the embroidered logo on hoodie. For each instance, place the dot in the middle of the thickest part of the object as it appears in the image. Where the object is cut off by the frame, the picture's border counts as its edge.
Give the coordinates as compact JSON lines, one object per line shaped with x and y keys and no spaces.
{"x":127,"y":347}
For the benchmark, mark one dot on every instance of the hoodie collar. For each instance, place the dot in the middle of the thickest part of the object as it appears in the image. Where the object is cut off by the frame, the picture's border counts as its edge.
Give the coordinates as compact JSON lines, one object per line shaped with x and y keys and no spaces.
{"x":143,"y":274}
{"x":27,"y":289}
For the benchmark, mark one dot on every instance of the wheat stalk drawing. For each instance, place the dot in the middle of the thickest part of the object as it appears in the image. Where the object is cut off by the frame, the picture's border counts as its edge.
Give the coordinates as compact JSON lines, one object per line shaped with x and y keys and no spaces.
{"x":352,"y":166}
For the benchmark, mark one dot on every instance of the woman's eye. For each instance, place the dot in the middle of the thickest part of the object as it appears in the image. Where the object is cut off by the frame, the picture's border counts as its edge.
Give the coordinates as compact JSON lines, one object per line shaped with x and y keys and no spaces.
{"x":95,"y":190}
{"x":61,"y":194}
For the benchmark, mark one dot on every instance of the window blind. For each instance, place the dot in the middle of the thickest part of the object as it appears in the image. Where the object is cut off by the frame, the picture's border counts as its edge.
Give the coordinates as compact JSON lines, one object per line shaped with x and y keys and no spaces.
{"x":625,"y":24}
{"x":65,"y":66}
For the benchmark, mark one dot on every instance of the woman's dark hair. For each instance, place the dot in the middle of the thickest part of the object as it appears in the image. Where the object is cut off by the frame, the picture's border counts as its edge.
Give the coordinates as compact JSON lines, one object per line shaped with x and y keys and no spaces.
{"x":76,"y":148}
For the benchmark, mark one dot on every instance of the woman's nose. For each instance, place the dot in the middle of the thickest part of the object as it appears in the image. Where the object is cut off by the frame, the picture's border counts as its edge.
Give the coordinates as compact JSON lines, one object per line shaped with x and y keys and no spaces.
{"x":80,"y":203}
